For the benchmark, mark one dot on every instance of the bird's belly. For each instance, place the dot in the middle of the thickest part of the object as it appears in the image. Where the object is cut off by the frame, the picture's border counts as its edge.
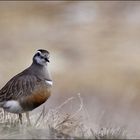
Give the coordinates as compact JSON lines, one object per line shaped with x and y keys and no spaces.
{"x":12,"y":106}
{"x":33,"y":101}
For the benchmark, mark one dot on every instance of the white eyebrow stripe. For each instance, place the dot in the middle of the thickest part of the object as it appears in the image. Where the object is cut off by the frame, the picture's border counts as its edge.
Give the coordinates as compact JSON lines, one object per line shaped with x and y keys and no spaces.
{"x":38,"y":52}
{"x":50,"y":83}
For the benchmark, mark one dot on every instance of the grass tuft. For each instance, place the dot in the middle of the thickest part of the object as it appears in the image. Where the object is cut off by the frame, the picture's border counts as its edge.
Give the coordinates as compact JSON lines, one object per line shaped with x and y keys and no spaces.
{"x":55,"y":123}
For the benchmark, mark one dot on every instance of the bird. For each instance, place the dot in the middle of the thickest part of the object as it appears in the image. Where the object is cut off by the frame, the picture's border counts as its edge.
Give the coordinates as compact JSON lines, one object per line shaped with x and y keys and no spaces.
{"x":28,"y":89}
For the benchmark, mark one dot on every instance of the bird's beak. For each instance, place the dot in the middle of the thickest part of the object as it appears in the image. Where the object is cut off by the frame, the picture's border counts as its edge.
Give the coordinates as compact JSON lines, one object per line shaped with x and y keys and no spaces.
{"x":47,"y":59}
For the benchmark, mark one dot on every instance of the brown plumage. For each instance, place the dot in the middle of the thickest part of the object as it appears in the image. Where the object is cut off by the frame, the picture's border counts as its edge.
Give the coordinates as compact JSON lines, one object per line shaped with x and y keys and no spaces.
{"x":28,"y":89}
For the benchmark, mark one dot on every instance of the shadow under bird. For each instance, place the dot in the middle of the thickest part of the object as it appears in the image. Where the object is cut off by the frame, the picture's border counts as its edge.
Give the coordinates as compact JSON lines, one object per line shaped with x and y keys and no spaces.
{"x":28,"y":89}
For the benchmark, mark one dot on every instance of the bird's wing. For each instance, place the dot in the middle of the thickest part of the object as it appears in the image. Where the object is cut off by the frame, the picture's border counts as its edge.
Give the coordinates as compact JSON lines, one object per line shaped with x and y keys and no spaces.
{"x":19,"y":86}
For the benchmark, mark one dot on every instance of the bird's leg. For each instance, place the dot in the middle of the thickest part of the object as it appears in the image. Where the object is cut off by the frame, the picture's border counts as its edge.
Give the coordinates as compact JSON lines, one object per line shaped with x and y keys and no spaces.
{"x":28,"y":118}
{"x":4,"y":115}
{"x":20,"y":118}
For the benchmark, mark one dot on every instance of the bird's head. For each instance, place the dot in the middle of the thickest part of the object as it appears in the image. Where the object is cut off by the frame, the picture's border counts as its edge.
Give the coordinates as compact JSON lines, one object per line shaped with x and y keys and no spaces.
{"x":41,"y":57}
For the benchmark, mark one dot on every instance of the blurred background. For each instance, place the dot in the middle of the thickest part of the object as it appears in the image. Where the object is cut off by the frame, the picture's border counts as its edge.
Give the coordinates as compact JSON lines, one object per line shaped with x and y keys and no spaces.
{"x":95,"y":51}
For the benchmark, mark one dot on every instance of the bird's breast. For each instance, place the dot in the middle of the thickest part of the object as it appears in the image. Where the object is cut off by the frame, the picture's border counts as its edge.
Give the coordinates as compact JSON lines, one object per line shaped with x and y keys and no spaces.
{"x":49,"y":82}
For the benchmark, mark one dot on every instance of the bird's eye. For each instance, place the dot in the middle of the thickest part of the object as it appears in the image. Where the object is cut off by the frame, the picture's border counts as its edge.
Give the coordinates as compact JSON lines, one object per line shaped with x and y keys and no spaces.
{"x":38,"y":54}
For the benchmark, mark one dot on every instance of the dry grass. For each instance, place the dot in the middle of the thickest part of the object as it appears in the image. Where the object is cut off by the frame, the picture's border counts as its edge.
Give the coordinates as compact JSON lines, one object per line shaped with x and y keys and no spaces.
{"x":56,"y":124}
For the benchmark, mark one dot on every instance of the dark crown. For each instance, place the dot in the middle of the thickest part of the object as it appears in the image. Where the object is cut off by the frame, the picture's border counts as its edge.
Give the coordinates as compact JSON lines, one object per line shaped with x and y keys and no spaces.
{"x":43,"y":51}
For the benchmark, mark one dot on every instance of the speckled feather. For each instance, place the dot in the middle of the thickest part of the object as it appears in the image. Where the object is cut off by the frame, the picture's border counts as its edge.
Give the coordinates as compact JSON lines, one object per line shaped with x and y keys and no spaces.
{"x":27,"y":88}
